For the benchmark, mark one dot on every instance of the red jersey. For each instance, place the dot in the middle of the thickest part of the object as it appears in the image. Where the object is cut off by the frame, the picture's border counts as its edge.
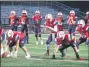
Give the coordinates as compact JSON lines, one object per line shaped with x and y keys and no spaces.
{"x":16,"y":36}
{"x":23,"y":20}
{"x":37,"y":18}
{"x":50,"y":24}
{"x":87,"y":18}
{"x":59,"y":19}
{"x":65,"y":40}
{"x":1,"y":31}
{"x":82,"y":31}
{"x":71,"y":19}
{"x":13,"y":20}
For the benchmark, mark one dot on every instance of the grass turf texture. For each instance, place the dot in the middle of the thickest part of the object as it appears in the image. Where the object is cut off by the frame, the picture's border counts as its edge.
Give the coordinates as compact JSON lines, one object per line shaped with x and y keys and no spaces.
{"x":38,"y":59}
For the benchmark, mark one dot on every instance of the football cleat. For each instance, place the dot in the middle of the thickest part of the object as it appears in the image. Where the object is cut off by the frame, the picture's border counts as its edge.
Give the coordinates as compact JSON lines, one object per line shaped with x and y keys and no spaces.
{"x":37,"y":43}
{"x":27,"y":56}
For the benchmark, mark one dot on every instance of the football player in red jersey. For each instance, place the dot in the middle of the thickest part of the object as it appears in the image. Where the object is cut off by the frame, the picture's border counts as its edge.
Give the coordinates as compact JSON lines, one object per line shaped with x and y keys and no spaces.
{"x":63,"y":41}
{"x":59,"y":20}
{"x":71,"y":23}
{"x":16,"y":39}
{"x":2,"y":38}
{"x":13,"y":20}
{"x":49,"y":23}
{"x":87,"y":18}
{"x":24,"y":21}
{"x":84,"y":33}
{"x":37,"y":26}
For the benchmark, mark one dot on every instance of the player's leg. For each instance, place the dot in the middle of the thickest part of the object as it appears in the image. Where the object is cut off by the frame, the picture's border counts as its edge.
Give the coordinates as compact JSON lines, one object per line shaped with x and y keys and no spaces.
{"x":39,"y":33}
{"x":62,"y":48}
{"x":55,"y":50}
{"x":79,"y":41}
{"x":87,"y":41}
{"x":36,"y":35}
{"x":48,"y":44}
{"x":22,"y":45}
{"x":15,"y":28}
{"x":75,"y":50}
{"x":26,"y":30}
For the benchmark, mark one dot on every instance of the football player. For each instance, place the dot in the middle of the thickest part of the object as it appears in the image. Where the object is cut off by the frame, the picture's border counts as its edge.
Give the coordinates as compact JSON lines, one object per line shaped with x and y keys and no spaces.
{"x":13,"y":20}
{"x":37,"y":25}
{"x":58,"y":21}
{"x":24,"y":21}
{"x":71,"y":23}
{"x":49,"y":23}
{"x":87,"y":18}
{"x":2,"y":38}
{"x":63,"y":42}
{"x":84,"y":33}
{"x":16,"y":39}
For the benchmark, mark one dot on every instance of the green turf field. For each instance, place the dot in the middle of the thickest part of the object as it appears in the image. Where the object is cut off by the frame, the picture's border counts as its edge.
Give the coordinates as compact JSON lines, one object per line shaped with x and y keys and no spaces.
{"x":38,"y":59}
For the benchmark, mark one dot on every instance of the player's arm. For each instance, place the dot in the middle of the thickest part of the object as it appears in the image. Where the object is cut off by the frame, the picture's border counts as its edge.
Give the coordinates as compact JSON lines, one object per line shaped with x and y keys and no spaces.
{"x":53,"y":29}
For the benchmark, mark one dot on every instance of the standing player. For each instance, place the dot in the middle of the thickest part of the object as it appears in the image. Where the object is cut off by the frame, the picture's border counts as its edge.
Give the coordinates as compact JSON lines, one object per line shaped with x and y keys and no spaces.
{"x":49,"y":23}
{"x":16,"y":39}
{"x":37,"y":25}
{"x":58,"y":21}
{"x":24,"y":21}
{"x":13,"y":20}
{"x":84,"y":33}
{"x":2,"y":37}
{"x":71,"y":23}
{"x":87,"y":18}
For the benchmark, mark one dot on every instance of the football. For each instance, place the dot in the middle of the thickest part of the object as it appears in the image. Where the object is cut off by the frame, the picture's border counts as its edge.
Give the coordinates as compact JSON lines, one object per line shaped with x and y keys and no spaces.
{"x":4,"y":55}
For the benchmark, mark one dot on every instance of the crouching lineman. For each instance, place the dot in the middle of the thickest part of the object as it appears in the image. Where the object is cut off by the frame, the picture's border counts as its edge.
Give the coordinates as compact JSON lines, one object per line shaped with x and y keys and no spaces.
{"x":64,"y":41}
{"x":84,"y":33}
{"x":2,"y":46}
{"x":24,"y":21}
{"x":37,"y":25}
{"x":16,"y":39}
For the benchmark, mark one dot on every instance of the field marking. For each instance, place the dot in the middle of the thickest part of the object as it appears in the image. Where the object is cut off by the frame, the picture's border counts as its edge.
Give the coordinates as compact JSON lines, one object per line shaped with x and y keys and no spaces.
{"x":60,"y":60}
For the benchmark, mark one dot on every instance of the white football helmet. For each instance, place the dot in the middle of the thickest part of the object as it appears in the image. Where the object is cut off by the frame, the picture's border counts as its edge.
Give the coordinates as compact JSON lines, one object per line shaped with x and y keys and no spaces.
{"x":49,"y":16}
{"x":9,"y":33}
{"x":60,"y":13}
{"x":72,"y":12}
{"x":37,"y":11}
{"x":24,"y":11}
{"x":61,"y":34}
{"x":13,"y":12}
{"x":81,"y":22}
{"x":87,"y":12}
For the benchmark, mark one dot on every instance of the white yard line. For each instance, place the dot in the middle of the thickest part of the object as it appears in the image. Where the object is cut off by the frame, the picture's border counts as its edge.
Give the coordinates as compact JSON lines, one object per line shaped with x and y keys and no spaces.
{"x":60,"y":60}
